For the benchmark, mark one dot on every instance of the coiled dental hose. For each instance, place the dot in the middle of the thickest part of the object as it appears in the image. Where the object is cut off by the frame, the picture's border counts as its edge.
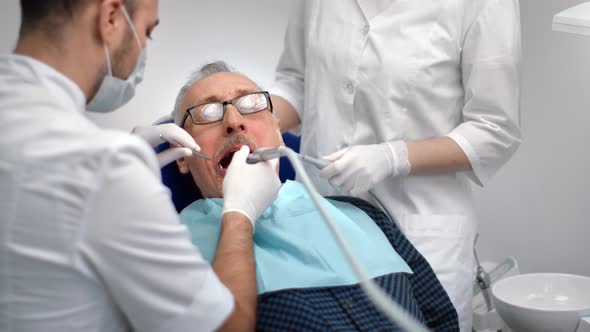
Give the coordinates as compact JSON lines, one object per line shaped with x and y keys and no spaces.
{"x":393,"y":311}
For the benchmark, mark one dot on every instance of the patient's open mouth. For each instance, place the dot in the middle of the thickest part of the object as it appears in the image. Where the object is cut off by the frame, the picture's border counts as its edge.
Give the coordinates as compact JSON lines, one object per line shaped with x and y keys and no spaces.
{"x":226,"y":160}
{"x":227,"y":156}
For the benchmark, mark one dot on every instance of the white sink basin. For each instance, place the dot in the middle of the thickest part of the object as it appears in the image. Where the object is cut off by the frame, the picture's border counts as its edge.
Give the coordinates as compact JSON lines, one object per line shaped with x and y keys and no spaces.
{"x":543,"y":302}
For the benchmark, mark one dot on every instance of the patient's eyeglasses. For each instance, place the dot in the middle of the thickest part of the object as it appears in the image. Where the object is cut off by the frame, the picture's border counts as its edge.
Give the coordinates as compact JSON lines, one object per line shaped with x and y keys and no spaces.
{"x":213,"y":112}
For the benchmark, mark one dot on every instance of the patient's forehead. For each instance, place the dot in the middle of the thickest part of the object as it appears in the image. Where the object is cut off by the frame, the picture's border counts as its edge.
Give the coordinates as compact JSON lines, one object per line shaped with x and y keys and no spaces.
{"x":218,"y":87}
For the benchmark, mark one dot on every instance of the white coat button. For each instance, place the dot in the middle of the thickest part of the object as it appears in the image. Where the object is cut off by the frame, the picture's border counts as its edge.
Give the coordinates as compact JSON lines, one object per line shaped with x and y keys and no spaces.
{"x":349,"y":88}
{"x":366,"y":29}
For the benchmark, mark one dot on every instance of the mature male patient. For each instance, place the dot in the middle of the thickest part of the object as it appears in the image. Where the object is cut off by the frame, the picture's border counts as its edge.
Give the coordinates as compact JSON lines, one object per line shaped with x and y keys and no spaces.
{"x":303,"y":280}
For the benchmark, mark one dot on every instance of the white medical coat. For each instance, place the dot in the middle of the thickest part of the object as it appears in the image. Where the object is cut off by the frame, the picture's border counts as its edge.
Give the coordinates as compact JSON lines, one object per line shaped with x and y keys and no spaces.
{"x":371,"y":71}
{"x":89,"y":240}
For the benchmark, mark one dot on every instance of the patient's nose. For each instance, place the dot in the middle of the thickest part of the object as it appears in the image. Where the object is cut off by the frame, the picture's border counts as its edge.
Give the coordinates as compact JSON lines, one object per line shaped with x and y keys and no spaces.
{"x":233,"y":121}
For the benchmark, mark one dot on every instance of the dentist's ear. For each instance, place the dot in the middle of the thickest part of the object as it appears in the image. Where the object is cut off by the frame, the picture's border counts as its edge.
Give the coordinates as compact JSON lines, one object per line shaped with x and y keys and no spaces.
{"x":182,"y":164}
{"x":112,"y":26}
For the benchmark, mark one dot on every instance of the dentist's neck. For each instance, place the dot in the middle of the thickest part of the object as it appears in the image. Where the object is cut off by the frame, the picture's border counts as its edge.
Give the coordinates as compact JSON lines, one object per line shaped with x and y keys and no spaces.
{"x":69,"y":54}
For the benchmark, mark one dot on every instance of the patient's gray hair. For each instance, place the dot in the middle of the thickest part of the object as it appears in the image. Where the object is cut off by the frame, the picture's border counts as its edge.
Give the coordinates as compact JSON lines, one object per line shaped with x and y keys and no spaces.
{"x":206,"y":70}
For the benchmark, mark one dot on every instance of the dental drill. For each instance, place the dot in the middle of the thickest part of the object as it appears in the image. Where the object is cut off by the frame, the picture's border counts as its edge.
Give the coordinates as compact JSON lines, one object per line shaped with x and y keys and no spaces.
{"x":380,"y":299}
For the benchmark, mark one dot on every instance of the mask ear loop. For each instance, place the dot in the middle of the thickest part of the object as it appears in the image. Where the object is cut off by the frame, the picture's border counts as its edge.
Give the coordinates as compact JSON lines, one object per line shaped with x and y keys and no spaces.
{"x":106,"y":53}
{"x":131,"y":26}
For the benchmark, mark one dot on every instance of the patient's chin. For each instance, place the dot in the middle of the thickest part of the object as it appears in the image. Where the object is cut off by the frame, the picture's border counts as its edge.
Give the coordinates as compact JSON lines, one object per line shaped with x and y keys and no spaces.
{"x":208,"y":183}
{"x":213,"y":190}
{"x":219,"y":191}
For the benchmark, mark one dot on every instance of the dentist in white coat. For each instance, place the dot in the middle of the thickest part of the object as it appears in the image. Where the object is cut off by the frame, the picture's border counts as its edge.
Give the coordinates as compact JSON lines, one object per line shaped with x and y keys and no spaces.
{"x":412,"y":100}
{"x":89,"y":239}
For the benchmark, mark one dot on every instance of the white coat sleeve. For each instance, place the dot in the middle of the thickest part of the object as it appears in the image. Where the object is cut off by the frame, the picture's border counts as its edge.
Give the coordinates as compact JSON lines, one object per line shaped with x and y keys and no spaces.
{"x":290,"y":73}
{"x":142,"y":254}
{"x":491,"y":58}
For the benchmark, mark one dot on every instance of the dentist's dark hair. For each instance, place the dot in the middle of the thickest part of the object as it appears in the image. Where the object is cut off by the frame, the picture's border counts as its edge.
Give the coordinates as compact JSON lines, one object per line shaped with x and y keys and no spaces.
{"x":50,"y":15}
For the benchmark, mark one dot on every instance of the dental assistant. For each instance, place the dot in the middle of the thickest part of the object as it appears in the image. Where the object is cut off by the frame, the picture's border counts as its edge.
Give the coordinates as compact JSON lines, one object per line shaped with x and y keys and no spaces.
{"x":412,"y":100}
{"x":89,"y":239}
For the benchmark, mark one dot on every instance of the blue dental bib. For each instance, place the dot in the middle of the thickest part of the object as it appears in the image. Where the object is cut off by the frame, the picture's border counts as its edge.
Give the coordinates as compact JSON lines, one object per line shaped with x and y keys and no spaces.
{"x":294,"y":248}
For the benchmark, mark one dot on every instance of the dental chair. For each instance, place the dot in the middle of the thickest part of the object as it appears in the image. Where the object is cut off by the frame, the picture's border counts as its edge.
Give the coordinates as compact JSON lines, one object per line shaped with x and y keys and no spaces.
{"x":485,"y":319}
{"x":185,"y":191}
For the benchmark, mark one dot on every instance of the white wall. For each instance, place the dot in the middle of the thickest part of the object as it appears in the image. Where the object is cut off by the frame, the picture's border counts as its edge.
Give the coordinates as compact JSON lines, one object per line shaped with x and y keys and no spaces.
{"x":537,"y":208}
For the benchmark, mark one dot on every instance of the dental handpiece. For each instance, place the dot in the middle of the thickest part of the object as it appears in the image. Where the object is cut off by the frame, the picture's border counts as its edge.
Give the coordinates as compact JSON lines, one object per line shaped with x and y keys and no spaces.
{"x":264,"y":154}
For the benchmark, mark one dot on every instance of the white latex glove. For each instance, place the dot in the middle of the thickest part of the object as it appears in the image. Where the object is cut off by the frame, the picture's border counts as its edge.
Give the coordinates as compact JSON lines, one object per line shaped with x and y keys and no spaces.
{"x":250,"y":189}
{"x":182,"y":142}
{"x":357,"y":169}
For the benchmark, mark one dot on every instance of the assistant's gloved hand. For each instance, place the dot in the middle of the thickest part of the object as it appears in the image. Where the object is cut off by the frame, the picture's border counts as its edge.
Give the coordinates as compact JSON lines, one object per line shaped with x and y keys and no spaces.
{"x":357,"y":169}
{"x":168,"y":132}
{"x":250,"y":189}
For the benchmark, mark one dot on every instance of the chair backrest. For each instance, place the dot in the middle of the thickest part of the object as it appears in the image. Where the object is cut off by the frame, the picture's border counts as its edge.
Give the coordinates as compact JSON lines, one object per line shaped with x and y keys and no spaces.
{"x":185,"y":191}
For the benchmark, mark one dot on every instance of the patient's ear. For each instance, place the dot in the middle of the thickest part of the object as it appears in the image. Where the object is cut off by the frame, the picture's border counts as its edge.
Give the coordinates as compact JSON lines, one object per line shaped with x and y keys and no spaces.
{"x":183,"y":165}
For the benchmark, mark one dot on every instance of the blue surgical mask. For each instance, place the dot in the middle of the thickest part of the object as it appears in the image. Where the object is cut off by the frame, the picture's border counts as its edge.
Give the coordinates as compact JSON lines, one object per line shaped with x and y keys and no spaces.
{"x":115,"y":92}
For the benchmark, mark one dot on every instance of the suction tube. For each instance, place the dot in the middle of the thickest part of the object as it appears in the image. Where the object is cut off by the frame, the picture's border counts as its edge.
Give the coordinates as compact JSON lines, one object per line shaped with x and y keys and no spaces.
{"x":380,"y":299}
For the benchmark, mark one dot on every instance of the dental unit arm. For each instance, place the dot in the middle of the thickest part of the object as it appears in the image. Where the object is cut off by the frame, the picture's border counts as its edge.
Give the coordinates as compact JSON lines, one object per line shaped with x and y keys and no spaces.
{"x":264,"y":154}
{"x":380,"y":299}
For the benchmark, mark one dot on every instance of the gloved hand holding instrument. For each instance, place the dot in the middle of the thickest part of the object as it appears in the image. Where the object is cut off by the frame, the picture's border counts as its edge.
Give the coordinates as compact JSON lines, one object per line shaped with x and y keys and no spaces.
{"x":182,"y":143}
{"x":240,"y":180}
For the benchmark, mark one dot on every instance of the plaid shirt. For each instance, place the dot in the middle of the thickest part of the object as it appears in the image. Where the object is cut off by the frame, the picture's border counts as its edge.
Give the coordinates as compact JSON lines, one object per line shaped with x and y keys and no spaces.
{"x":347,"y":308}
